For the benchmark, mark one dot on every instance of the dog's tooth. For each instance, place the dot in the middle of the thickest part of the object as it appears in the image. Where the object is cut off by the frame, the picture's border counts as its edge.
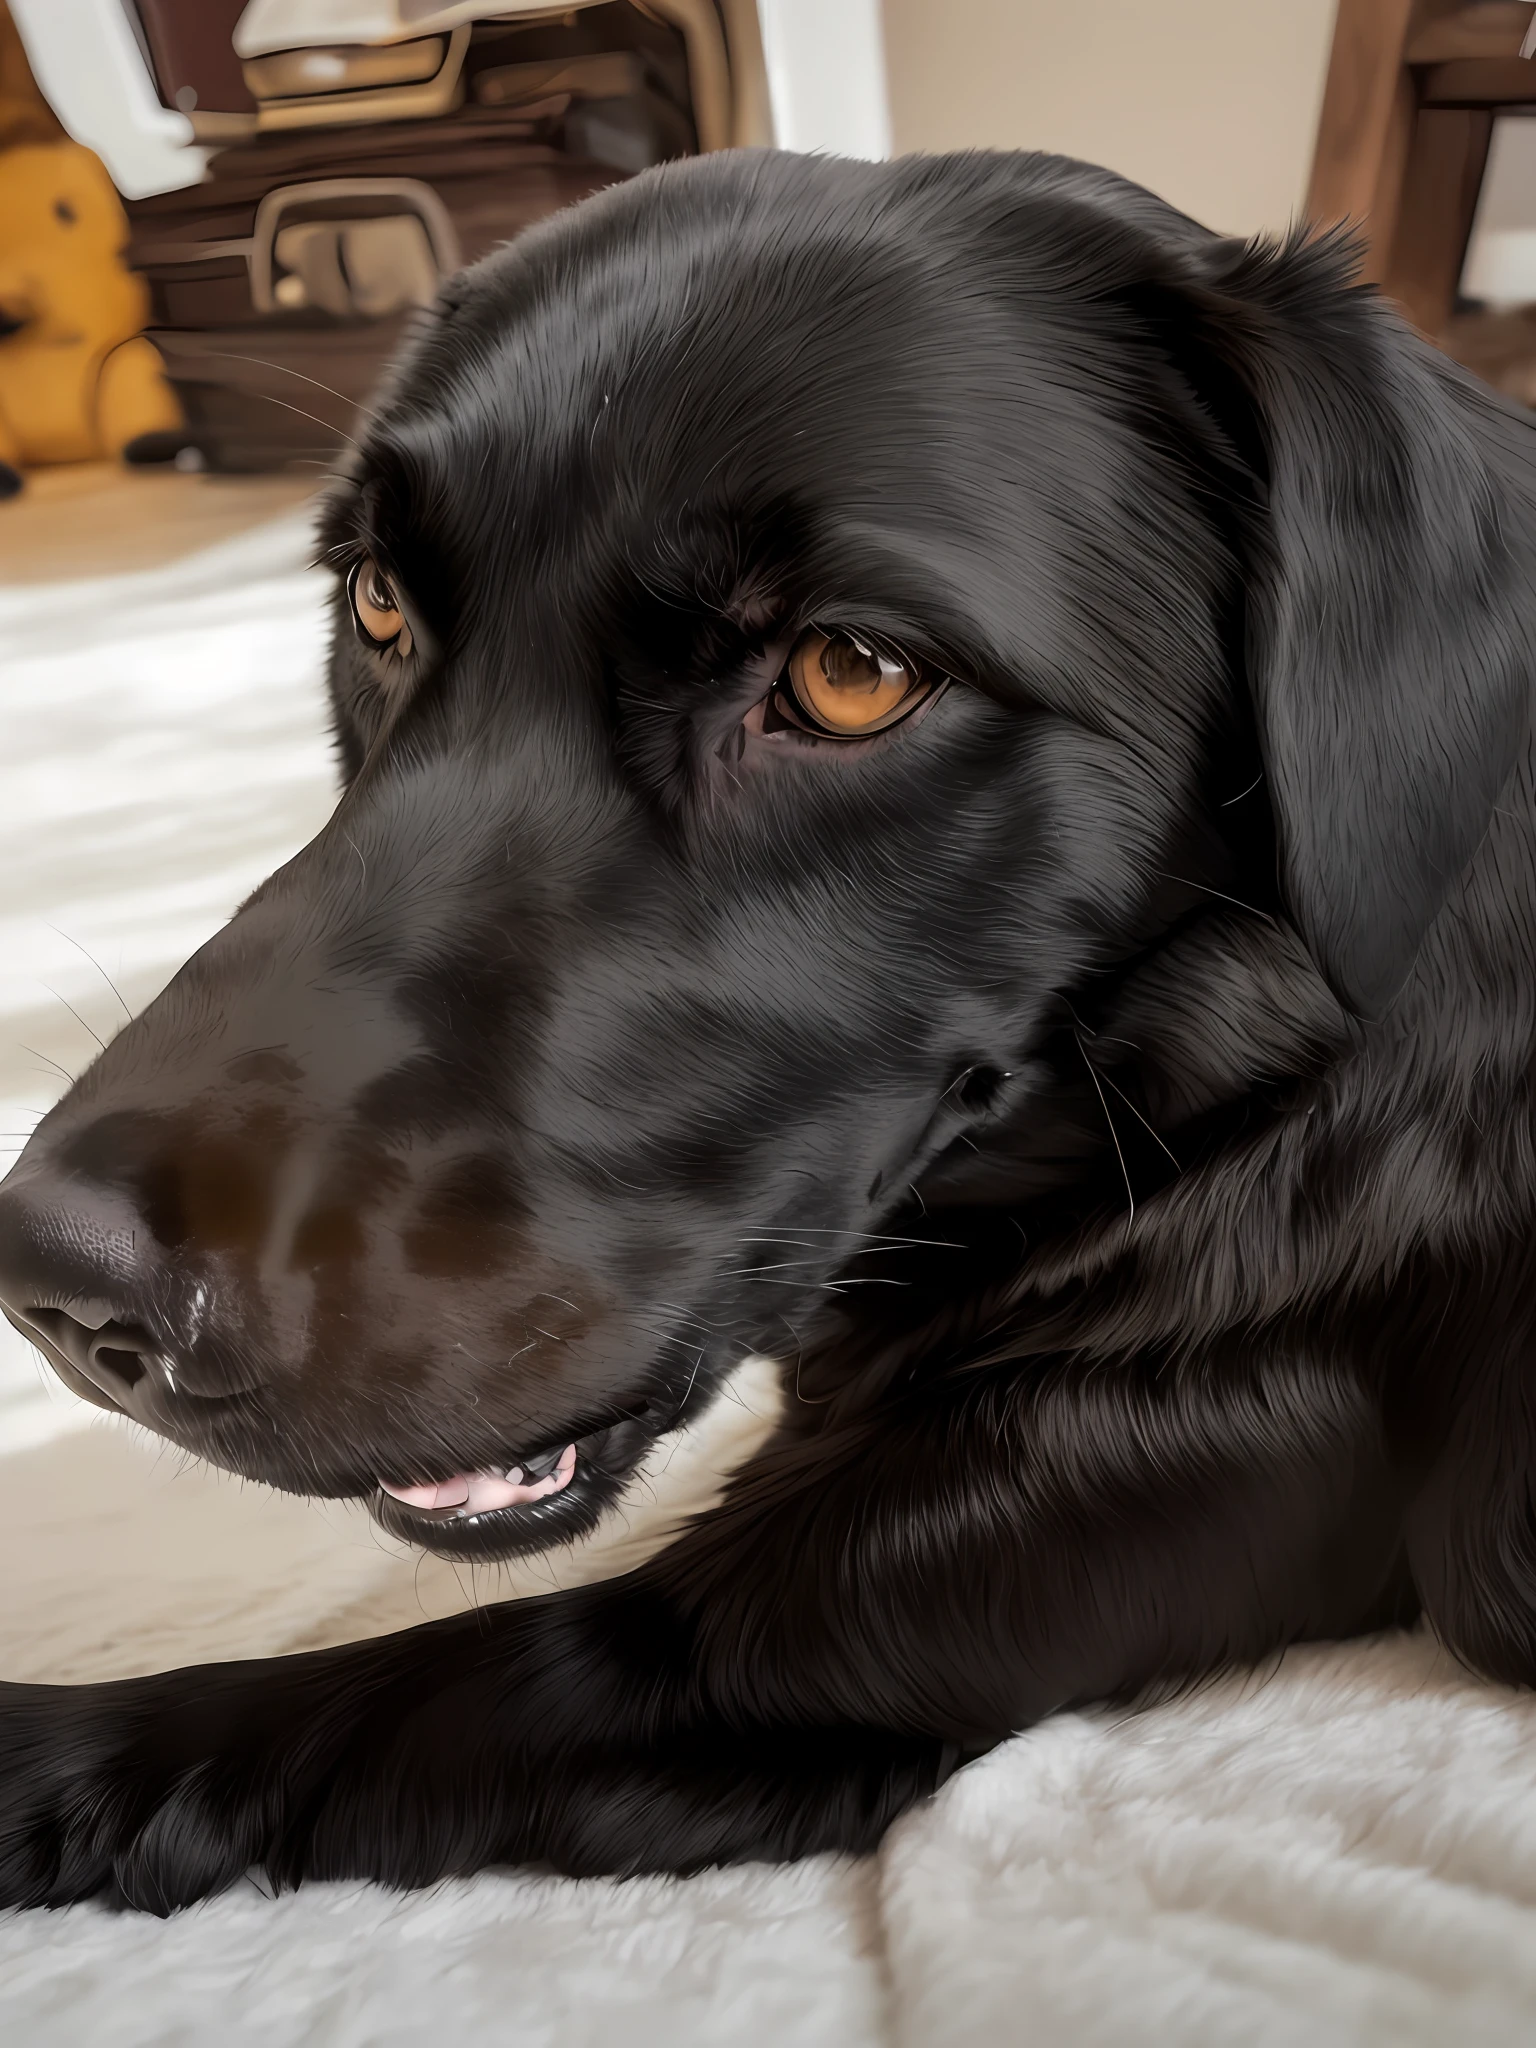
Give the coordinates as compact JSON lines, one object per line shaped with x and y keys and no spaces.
{"x":540,"y":1468}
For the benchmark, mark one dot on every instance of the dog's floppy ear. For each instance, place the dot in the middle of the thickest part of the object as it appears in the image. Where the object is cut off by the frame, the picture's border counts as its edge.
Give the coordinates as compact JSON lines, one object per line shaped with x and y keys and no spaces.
{"x":1389,"y":623}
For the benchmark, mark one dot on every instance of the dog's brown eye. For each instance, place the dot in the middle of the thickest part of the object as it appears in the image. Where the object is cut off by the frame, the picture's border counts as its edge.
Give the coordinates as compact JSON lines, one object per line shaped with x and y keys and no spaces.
{"x":376,"y":609}
{"x":845,"y":689}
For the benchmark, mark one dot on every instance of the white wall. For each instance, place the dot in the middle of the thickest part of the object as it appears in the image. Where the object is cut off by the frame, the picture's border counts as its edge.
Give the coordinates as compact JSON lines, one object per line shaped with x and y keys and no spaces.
{"x":826,"y":75}
{"x":1212,"y":103}
{"x":1501,"y":261}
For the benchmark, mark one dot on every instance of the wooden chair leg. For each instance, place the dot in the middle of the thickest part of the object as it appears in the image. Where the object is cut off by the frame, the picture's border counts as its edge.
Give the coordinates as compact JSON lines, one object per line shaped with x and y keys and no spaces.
{"x":1367,"y":125}
{"x":1447,"y":155}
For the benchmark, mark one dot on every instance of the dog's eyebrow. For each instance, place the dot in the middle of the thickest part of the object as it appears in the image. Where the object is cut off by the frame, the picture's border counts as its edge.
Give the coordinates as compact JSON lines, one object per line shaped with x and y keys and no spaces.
{"x":338,"y":529}
{"x":354,"y":515}
{"x":728,"y":568}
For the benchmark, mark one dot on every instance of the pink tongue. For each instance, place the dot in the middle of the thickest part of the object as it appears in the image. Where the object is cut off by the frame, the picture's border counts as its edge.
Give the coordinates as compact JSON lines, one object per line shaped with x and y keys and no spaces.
{"x":477,"y":1493}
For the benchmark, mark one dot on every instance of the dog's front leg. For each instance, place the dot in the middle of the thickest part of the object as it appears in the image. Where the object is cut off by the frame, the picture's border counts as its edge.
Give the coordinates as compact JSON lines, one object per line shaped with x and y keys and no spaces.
{"x":567,"y":1730}
{"x":161,"y":1789}
{"x":802,"y":1665}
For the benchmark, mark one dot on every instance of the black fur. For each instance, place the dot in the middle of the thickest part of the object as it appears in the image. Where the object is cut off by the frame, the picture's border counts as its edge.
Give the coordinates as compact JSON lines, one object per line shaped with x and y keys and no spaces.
{"x":1108,"y":1092}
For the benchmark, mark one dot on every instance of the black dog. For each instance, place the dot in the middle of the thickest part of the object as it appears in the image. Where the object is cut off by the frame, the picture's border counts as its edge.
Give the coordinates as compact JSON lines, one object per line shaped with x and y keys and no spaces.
{"x":937,"y":784}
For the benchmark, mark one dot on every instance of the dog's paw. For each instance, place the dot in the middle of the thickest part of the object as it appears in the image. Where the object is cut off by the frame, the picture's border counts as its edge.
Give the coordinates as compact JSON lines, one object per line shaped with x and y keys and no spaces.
{"x":100,"y":1794}
{"x":65,"y":1802}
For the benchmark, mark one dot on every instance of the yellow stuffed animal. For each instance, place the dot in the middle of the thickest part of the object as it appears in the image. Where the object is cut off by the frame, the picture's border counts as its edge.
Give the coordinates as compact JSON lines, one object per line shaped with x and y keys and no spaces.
{"x":77,"y":378}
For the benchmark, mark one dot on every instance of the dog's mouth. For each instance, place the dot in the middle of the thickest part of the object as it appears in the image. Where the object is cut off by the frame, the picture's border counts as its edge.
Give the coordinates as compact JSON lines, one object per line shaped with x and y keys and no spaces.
{"x":523,"y":1501}
{"x":467,"y":1494}
{"x":529,"y":1503}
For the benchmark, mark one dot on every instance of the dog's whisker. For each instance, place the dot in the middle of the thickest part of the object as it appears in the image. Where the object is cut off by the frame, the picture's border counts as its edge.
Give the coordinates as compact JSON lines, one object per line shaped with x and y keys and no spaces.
{"x":32,"y":1050}
{"x":269,"y":399}
{"x":69,"y":940}
{"x":230,"y":355}
{"x":1113,"y":1133}
{"x":75,"y":1014}
{"x":1156,"y":1135}
{"x":1206,"y":890}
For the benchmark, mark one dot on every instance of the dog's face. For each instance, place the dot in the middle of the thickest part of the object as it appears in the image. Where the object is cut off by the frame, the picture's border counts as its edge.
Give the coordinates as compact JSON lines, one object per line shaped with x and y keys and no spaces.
{"x":783,"y":657}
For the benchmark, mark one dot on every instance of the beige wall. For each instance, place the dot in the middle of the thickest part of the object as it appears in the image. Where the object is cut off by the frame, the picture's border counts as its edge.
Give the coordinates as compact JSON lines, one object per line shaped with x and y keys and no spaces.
{"x":1213,"y":103}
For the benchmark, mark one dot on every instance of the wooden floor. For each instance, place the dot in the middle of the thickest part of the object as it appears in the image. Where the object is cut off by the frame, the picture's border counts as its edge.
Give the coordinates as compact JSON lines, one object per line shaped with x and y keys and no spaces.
{"x":99,"y":519}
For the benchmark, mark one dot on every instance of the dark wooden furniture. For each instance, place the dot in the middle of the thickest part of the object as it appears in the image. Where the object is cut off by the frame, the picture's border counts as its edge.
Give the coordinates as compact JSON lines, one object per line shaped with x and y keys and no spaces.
{"x":1413,"y":88}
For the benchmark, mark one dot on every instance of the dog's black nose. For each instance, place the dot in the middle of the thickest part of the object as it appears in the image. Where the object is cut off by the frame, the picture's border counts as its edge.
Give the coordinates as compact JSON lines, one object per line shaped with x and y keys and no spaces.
{"x":72,"y":1278}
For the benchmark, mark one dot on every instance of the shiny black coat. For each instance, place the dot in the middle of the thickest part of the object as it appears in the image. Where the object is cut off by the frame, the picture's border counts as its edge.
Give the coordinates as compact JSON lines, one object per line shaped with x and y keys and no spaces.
{"x":1108,"y":1091}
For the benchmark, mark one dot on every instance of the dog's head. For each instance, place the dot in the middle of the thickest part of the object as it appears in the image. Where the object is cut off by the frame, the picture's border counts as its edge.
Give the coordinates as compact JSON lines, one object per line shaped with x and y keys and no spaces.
{"x":810,"y":640}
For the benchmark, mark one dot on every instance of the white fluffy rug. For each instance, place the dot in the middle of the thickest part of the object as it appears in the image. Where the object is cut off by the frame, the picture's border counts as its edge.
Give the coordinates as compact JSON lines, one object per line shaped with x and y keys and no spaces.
{"x":1340,"y":1850}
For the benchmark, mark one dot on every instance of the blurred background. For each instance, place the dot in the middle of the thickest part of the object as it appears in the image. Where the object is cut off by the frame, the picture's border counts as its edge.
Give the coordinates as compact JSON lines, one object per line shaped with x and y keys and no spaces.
{"x":236,"y":207}
{"x":218,"y":218}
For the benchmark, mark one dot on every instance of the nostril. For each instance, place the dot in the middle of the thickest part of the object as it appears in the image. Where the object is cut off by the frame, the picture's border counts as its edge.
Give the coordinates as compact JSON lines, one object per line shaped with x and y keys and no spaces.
{"x":74,"y":1264}
{"x":115,"y":1362}
{"x":112,"y":1358}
